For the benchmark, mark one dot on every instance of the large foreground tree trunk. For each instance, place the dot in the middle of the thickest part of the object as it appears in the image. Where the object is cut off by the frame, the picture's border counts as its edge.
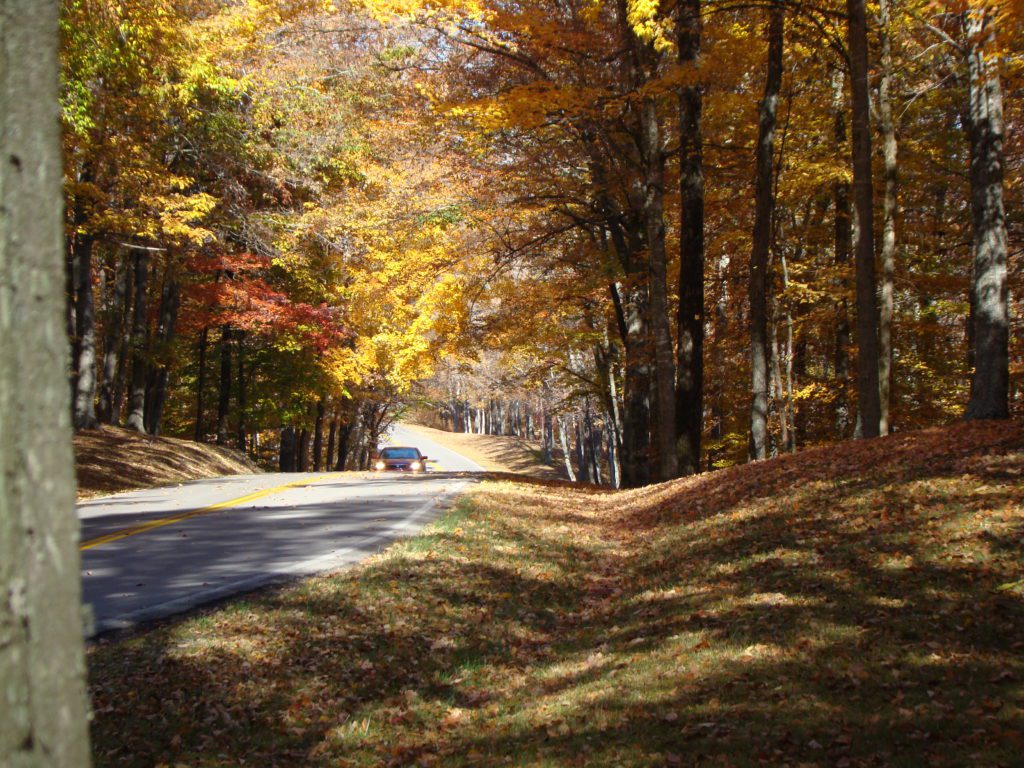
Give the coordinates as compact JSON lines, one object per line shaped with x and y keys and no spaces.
{"x":42,"y":665}
{"x":870,"y":410}
{"x":764,"y":205}
{"x":990,"y":383}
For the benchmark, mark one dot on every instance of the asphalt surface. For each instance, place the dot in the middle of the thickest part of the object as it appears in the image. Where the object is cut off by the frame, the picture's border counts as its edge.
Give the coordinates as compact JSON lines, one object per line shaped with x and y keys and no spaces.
{"x":153,"y":553}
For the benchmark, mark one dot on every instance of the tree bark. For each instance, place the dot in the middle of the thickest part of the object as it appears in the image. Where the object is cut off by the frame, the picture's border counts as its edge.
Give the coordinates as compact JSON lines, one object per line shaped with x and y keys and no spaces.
{"x":843,"y":247}
{"x":243,"y":391}
{"x":764,"y":203}
{"x":116,"y":313}
{"x":139,"y":343}
{"x":304,"y":450}
{"x":889,"y":208}
{"x":318,"y":437}
{"x":566,"y":453}
{"x":657,"y":266}
{"x":85,"y":327}
{"x":344,"y":435}
{"x":690,"y":355}
{"x":160,"y":366}
{"x":42,"y":662}
{"x":869,"y":406}
{"x":286,"y":460}
{"x":990,"y":383}
{"x":332,"y":433}
{"x":204,"y":336}
{"x":224,"y":400}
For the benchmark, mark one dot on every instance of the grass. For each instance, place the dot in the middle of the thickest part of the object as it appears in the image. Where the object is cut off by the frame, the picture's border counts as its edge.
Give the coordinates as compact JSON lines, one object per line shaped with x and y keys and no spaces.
{"x":857,"y":605}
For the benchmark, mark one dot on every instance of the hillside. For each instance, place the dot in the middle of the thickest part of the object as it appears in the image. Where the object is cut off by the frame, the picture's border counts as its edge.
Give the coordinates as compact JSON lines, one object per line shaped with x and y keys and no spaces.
{"x":855,"y":605}
{"x":495,"y":453}
{"x":110,"y":460}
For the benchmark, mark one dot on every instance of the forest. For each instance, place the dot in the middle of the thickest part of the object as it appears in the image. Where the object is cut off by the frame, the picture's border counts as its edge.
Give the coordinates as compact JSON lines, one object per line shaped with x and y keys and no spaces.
{"x":658,"y":237}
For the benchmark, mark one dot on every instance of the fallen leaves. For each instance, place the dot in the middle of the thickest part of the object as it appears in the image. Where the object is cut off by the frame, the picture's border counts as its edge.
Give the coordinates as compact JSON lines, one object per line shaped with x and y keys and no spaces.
{"x":803,"y":616}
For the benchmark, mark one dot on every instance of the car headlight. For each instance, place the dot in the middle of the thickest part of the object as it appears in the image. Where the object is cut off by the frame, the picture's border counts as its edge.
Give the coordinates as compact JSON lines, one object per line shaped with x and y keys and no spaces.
{"x":416,"y":466}
{"x":380,"y":465}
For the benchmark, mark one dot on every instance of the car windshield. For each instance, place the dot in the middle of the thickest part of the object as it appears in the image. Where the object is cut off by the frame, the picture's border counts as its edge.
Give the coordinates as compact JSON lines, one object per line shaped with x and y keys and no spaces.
{"x":399,"y":453}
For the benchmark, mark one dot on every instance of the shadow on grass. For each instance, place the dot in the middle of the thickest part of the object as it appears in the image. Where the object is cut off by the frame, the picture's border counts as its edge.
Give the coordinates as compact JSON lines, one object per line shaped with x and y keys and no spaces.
{"x":785,"y":613}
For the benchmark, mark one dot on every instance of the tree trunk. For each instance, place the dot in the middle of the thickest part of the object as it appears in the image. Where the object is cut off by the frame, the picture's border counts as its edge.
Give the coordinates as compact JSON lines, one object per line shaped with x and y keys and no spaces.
{"x":116,"y":313}
{"x":764,"y":203}
{"x":566,"y":453}
{"x":160,"y":366}
{"x":888,"y":128}
{"x":139,"y":344}
{"x":990,"y":382}
{"x":287,"y":454}
{"x":224,"y":401}
{"x":332,"y":432}
{"x":657,"y":266}
{"x":204,"y":336}
{"x":243,"y":393}
{"x":690,"y":355}
{"x":42,"y":662}
{"x":304,"y":450}
{"x":85,"y":327}
{"x":869,"y":406}
{"x":843,"y":245}
{"x":318,"y":437}
{"x":636,"y":458}
{"x":344,"y":433}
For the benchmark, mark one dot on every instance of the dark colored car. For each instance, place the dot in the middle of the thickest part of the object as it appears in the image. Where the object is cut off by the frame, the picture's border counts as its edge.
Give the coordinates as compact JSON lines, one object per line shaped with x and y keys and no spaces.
{"x":400,"y":458}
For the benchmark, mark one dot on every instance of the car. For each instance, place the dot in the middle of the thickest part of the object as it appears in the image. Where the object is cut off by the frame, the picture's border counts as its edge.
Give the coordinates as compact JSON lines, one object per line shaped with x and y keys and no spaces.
{"x":401,"y":458}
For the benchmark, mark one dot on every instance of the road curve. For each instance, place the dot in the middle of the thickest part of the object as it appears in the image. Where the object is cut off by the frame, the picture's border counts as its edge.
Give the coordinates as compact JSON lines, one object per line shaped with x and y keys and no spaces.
{"x":153,"y":553}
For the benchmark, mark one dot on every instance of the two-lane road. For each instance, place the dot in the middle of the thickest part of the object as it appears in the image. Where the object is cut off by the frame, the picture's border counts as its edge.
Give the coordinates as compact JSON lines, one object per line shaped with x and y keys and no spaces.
{"x":153,"y":553}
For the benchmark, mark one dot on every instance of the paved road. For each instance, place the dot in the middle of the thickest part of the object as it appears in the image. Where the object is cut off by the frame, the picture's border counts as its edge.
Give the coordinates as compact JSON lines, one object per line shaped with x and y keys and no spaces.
{"x":149,"y":554}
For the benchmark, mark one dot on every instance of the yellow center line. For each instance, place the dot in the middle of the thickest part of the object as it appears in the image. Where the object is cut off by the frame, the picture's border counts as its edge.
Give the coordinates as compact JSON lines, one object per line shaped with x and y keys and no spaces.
{"x":124,"y":533}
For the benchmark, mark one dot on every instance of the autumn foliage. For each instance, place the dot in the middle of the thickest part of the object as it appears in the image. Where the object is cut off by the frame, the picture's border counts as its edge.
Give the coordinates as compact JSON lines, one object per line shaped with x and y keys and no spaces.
{"x":851,"y":608}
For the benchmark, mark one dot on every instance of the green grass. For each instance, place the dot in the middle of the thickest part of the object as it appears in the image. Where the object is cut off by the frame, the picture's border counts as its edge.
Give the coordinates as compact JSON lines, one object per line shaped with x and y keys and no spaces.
{"x":845,"y":607}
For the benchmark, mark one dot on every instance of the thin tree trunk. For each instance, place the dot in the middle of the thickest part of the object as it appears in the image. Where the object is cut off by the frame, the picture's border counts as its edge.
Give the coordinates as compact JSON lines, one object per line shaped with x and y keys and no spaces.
{"x":287,"y":459}
{"x":304,"y":450}
{"x":889,"y":208}
{"x":112,"y":342}
{"x":344,"y":433}
{"x":85,"y":326}
{"x":139,"y":344}
{"x":690,"y":355}
{"x":243,"y":391}
{"x":566,"y":453}
{"x":843,"y":245}
{"x":869,"y":407}
{"x":331,"y":436}
{"x":204,"y":336}
{"x":318,"y":437}
{"x":990,"y":383}
{"x":43,"y":717}
{"x":762,"y":239}
{"x":169,"y":304}
{"x":224,"y":400}
{"x":636,"y":444}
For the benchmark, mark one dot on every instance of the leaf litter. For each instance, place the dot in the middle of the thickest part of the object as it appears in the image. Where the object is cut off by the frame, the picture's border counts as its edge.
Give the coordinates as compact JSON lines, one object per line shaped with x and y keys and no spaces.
{"x":853,"y":605}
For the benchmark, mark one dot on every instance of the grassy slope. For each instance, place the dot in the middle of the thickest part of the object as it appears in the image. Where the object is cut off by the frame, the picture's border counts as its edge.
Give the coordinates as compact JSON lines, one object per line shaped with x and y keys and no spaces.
{"x":855,"y":605}
{"x":109,"y":460}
